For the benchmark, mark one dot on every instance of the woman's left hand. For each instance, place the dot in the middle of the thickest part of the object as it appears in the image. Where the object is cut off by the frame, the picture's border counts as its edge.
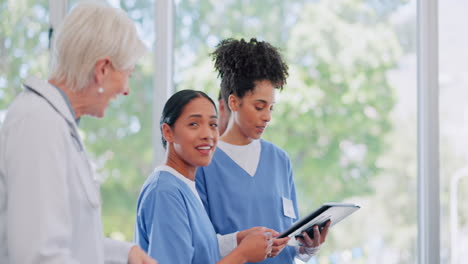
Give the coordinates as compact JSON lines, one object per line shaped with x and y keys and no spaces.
{"x":319,"y":238}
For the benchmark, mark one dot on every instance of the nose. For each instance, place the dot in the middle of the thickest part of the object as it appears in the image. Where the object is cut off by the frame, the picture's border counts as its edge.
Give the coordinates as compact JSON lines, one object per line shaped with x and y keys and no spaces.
{"x":266,"y":117}
{"x":208,"y":133}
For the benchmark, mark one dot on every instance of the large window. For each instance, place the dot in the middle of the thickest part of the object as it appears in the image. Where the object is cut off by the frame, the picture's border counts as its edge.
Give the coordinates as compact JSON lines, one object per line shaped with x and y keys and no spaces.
{"x":348,"y":109}
{"x":453,"y":81}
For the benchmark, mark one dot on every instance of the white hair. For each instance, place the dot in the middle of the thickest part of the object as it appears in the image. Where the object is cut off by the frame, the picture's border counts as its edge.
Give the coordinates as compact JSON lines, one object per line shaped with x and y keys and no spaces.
{"x":90,"y":32}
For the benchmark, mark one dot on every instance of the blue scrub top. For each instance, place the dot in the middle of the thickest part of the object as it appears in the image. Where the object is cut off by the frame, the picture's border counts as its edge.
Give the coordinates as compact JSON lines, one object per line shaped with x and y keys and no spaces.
{"x":235,"y":201}
{"x":172,"y":225}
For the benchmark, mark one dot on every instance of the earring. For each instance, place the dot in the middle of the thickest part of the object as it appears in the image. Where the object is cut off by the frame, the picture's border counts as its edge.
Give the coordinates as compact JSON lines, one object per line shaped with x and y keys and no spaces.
{"x":100,"y":90}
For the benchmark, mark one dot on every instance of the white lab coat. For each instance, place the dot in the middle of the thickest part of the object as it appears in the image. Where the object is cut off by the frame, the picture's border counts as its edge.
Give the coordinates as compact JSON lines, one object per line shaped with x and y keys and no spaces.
{"x":50,"y":209}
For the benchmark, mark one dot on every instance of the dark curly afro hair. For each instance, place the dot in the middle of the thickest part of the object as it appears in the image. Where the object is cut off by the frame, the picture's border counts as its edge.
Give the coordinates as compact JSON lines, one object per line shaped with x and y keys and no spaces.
{"x":240,"y":64}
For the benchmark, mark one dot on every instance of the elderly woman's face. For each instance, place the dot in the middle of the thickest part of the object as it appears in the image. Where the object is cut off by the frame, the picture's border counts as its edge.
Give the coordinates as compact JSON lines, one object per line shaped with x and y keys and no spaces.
{"x":115,"y":83}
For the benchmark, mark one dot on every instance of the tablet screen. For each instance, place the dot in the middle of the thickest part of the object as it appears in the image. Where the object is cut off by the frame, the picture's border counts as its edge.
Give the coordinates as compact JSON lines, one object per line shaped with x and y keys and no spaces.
{"x":335,"y":212}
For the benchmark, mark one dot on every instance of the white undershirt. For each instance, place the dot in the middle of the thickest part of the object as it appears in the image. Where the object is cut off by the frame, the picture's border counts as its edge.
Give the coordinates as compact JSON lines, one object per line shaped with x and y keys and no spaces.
{"x":246,"y":156}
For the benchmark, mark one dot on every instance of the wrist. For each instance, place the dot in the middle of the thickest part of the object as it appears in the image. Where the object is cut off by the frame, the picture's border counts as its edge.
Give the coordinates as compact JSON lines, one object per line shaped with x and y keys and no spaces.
{"x":238,"y":255}
{"x":239,"y":236}
{"x":310,"y":250}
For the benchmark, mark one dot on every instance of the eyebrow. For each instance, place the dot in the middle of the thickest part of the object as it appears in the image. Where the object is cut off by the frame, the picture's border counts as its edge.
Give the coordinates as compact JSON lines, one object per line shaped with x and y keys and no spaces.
{"x":199,"y":116}
{"x":263,"y":101}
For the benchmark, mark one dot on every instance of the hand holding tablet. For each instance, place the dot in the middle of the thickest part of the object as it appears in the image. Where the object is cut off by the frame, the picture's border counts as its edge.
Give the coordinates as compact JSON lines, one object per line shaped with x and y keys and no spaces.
{"x":310,"y":230}
{"x":335,"y":212}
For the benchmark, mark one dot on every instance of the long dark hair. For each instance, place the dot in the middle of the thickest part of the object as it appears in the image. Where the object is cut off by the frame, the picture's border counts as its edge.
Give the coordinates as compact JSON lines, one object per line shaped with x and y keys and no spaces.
{"x":175,"y":106}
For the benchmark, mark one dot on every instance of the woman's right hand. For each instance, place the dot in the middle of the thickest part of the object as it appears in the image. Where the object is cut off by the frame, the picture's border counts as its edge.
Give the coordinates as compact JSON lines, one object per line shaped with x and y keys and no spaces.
{"x":256,"y":245}
{"x":138,"y":256}
{"x":244,"y":233}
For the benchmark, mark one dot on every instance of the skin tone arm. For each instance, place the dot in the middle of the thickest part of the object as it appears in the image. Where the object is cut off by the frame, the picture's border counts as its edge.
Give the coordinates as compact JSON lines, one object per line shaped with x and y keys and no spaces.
{"x":254,"y":247}
{"x":278,"y":243}
{"x":244,"y":233}
{"x":138,"y":256}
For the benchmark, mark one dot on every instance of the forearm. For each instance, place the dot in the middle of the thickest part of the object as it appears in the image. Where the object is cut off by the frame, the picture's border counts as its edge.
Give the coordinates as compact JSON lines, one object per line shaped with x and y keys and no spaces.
{"x":235,"y":257}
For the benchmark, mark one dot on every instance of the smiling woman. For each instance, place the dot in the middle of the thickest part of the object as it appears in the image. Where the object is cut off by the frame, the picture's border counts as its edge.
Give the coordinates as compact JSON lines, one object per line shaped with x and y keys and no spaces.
{"x":50,"y":207}
{"x":105,"y":59}
{"x":191,"y":141}
{"x":170,"y":214}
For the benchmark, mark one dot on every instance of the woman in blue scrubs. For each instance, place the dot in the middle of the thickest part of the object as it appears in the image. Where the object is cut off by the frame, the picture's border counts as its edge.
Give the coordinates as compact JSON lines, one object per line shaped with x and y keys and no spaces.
{"x":172,"y":224}
{"x":250,"y":181}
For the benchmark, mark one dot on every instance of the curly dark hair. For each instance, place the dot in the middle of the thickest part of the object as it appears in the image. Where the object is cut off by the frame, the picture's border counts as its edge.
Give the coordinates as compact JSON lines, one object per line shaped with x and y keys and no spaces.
{"x":240,"y":64}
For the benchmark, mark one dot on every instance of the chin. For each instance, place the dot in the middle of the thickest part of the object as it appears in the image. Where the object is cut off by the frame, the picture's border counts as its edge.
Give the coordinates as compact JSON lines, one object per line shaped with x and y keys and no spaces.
{"x":98,"y":115}
{"x":256,"y":136}
{"x":203,"y":163}
{"x":94,"y":115}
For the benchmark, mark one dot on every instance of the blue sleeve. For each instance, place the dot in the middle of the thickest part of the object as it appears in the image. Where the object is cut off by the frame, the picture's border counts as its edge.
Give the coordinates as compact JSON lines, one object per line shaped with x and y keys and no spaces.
{"x":164,"y":219}
{"x":140,"y":236}
{"x":200,"y":183}
{"x":293,"y":188}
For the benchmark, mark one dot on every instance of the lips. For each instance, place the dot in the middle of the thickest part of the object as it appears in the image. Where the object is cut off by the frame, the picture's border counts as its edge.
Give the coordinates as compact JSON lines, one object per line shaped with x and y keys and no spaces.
{"x":260,"y":129}
{"x":204,"y":149}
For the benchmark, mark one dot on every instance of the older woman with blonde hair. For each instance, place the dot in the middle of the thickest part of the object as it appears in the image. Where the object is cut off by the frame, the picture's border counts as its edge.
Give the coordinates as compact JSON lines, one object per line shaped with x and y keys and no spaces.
{"x":50,"y":208}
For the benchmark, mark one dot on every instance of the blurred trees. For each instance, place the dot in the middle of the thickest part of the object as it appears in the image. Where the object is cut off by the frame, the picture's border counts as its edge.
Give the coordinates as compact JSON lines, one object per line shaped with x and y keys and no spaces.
{"x":23,"y":45}
{"x":335,"y":107}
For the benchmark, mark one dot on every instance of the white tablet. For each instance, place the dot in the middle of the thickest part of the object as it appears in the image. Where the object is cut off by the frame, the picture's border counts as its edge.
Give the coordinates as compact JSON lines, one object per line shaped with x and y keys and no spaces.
{"x":335,"y":212}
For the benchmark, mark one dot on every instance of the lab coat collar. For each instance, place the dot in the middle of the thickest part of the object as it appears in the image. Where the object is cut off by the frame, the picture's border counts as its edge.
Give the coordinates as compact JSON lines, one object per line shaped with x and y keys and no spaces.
{"x":52,"y":95}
